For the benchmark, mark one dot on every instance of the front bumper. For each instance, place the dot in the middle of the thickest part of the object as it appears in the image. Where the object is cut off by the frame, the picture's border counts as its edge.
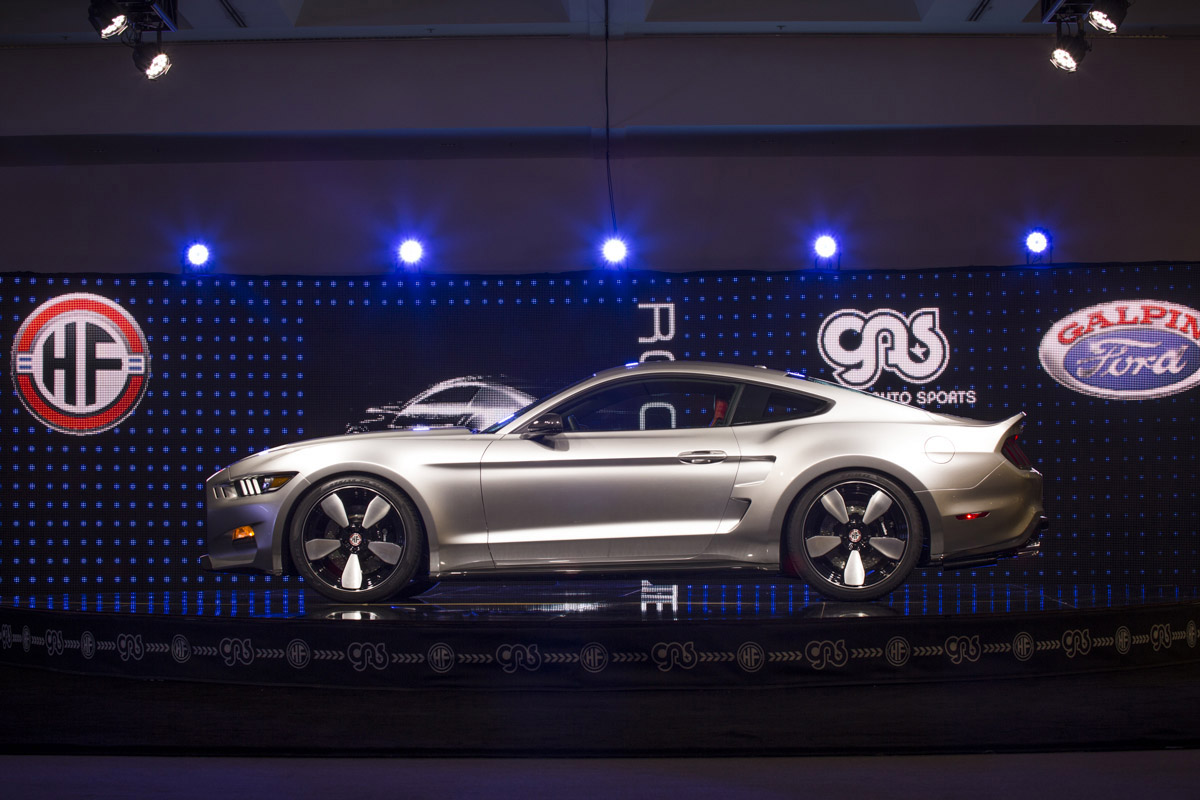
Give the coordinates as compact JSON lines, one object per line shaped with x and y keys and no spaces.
{"x":266,"y":514}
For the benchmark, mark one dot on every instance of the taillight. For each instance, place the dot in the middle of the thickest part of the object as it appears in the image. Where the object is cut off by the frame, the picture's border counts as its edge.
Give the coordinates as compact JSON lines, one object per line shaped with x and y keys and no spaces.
{"x":1013,"y":452}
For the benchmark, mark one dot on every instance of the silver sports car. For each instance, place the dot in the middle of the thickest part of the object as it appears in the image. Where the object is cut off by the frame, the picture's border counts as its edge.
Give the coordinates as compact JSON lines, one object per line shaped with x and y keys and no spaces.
{"x":639,"y":470}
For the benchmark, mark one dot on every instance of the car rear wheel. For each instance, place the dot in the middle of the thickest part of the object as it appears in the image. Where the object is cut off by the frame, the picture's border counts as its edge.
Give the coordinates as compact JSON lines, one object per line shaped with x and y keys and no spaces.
{"x":356,"y":539}
{"x":855,"y":535}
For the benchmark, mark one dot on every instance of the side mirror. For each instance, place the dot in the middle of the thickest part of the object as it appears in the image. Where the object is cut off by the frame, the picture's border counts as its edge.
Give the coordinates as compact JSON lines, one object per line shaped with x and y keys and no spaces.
{"x":545,"y":425}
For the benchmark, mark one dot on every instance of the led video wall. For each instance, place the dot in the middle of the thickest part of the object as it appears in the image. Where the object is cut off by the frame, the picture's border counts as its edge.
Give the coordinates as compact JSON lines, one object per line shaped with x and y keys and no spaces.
{"x":126,"y":393}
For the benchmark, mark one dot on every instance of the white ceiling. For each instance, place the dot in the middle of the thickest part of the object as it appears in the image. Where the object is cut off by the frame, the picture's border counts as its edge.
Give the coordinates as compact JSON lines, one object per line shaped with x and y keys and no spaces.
{"x":33,"y":22}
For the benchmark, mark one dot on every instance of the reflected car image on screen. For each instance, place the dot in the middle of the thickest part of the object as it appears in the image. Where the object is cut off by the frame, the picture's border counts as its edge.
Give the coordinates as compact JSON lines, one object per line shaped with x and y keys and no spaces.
{"x":648,"y":469}
{"x":469,"y":401}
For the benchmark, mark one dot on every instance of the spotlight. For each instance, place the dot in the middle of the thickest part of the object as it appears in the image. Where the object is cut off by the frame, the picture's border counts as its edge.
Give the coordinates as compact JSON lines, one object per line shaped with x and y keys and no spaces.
{"x":1069,"y":52}
{"x":1107,"y":15}
{"x":1037,"y":246}
{"x":198,"y":254}
{"x":151,"y":60}
{"x":614,"y":251}
{"x":107,"y":18}
{"x":825,"y":246}
{"x":410,"y":252}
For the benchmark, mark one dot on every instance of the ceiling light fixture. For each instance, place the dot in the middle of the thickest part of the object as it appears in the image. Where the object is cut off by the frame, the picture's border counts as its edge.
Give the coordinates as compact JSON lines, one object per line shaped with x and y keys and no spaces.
{"x":107,"y":18}
{"x":1107,"y":15}
{"x":129,"y":20}
{"x":1069,"y":50}
{"x":151,"y":59}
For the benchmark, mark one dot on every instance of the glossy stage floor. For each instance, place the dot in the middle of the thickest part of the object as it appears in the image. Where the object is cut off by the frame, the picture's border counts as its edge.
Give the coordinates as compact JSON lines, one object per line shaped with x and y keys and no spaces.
{"x":606,"y":634}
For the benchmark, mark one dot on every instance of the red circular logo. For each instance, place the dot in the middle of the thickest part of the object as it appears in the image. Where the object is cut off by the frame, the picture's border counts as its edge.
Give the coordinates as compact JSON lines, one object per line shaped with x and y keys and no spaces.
{"x":80,"y":363}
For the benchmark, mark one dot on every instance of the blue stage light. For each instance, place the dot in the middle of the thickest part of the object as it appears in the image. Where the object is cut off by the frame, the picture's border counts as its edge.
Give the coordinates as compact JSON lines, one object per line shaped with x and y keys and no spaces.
{"x":614,"y":250}
{"x":825,"y":246}
{"x":410,"y":252}
{"x":1039,"y":247}
{"x":198,"y":254}
{"x":1037,"y":241}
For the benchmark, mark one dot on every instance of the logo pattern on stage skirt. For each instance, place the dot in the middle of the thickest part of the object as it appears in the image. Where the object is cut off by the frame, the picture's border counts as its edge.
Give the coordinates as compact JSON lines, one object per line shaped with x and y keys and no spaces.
{"x":493,"y":656}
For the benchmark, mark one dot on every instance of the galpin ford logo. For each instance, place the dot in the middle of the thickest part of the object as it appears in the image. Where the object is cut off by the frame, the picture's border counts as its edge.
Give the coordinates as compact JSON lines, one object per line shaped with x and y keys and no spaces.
{"x":80,"y":363}
{"x":1125,"y":350}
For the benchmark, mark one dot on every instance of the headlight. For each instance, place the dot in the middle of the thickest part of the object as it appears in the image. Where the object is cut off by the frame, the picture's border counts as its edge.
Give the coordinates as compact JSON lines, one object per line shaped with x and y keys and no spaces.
{"x":254,"y":485}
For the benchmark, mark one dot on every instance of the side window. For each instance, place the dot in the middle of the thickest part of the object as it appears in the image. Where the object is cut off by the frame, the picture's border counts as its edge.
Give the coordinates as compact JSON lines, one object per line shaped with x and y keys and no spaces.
{"x":651,"y":404}
{"x":762,"y":404}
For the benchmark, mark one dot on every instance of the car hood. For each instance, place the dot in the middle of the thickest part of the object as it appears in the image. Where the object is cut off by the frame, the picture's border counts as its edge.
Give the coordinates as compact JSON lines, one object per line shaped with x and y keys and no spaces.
{"x":292,"y":447}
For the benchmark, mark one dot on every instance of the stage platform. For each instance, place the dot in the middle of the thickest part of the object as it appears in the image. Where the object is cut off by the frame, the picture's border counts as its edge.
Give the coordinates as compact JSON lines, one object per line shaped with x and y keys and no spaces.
{"x":607,"y":635}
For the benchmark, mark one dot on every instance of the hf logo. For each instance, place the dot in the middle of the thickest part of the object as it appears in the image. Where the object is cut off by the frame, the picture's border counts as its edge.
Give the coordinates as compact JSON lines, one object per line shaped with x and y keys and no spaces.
{"x":87,"y":645}
{"x":1191,"y":633}
{"x":26,"y":638}
{"x":441,"y":658}
{"x":897,"y":651}
{"x":593,"y":657}
{"x":861,"y":346}
{"x":80,"y":363}
{"x":298,"y":653}
{"x":1123,"y":639}
{"x":751,"y":657}
{"x":1023,"y":646}
{"x":181,"y":648}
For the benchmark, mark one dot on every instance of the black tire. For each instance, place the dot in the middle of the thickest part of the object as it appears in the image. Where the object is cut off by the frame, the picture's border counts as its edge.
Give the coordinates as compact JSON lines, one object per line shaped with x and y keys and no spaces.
{"x":824,"y":535}
{"x":361,"y":520}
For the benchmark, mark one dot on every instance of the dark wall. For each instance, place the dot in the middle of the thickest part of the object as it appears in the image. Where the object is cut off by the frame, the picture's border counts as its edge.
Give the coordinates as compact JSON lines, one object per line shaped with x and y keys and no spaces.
{"x":728,"y":153}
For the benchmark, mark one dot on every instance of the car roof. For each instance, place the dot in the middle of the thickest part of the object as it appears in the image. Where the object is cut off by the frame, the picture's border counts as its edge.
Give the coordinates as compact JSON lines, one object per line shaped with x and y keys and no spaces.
{"x":852,"y":400}
{"x":740,"y":372}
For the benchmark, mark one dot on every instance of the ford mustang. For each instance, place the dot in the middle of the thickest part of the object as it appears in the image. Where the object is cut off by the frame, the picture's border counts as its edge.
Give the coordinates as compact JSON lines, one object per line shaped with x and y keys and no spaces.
{"x":646,"y":469}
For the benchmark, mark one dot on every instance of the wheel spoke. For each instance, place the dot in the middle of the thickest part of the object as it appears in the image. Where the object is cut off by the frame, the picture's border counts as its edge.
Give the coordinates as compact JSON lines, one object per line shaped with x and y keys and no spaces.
{"x":332,"y":506}
{"x":892,"y":548}
{"x":836,"y":506}
{"x":316,"y":549}
{"x":386,"y":551}
{"x":821,"y":545}
{"x":377,"y":509}
{"x":878,"y":505}
{"x":352,"y":574}
{"x":854,"y":575}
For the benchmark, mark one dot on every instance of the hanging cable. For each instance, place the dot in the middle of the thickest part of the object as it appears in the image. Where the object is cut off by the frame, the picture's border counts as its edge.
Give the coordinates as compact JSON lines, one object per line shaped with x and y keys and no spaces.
{"x":612,"y":203}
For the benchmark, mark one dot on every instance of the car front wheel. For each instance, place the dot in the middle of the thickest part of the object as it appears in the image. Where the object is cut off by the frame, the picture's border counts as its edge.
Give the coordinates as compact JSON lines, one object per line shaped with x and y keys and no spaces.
{"x":855,"y":535}
{"x":356,"y":539}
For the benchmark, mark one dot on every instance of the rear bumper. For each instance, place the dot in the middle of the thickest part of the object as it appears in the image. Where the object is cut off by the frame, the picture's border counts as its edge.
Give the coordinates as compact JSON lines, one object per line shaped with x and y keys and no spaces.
{"x":1029,"y":544}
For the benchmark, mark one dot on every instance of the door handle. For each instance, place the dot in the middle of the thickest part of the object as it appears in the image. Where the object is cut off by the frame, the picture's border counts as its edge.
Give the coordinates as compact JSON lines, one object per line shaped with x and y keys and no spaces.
{"x":703,"y":456}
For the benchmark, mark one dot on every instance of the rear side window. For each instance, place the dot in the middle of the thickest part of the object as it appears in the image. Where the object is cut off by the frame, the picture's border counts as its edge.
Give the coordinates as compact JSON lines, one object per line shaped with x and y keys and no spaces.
{"x":763,"y":404}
